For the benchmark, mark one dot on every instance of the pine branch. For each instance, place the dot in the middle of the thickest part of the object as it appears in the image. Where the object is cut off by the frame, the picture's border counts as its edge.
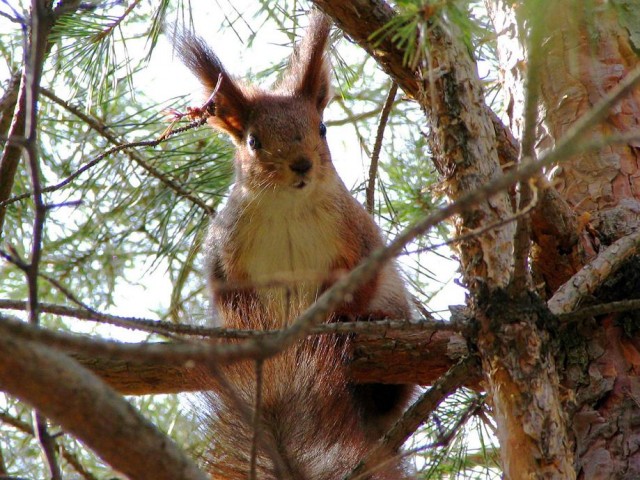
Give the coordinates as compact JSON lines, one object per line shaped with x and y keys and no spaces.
{"x":40,"y":47}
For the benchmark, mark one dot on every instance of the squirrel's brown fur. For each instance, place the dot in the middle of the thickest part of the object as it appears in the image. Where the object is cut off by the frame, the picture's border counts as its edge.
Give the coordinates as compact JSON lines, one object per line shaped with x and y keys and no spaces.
{"x":290,"y":219}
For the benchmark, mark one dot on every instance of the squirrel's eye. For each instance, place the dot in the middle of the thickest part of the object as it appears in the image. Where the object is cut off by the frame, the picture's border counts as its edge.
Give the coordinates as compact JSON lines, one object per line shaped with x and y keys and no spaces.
{"x":254,"y":143}
{"x":323,"y":130}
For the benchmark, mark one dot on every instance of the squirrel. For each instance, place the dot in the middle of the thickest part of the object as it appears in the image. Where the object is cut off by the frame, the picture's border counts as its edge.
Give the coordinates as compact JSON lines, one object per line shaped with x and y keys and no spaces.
{"x":289,"y":228}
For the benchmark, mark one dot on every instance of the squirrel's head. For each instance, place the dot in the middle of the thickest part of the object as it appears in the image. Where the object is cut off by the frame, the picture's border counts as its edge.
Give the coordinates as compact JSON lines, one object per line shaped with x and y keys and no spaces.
{"x":279,"y":134}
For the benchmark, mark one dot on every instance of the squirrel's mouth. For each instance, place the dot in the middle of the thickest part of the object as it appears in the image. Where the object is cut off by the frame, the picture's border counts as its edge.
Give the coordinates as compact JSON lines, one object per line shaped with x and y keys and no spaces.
{"x":300,"y":184}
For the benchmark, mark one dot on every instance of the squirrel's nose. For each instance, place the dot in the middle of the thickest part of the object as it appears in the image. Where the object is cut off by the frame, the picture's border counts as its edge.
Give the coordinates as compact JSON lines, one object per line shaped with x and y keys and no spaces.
{"x":301,"y":166}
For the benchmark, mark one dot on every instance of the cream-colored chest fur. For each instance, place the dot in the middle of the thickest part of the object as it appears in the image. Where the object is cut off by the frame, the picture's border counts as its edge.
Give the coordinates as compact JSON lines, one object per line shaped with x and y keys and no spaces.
{"x":288,"y":240}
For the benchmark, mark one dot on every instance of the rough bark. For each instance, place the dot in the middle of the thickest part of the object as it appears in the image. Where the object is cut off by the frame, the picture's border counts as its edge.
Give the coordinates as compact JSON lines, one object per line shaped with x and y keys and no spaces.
{"x":588,"y":55}
{"x":397,"y":358}
{"x":463,"y":143}
{"x":587,"y":52}
{"x":518,"y":358}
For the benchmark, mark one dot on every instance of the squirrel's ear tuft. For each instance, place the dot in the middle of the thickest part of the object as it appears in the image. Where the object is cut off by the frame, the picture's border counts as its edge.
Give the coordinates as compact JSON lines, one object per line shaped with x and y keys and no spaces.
{"x":230,"y":102}
{"x":309,"y":73}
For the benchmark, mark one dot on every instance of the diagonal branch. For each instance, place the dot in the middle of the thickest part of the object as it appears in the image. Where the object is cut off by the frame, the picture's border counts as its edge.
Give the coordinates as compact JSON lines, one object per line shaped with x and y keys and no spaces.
{"x":375,"y":155}
{"x":593,"y":274}
{"x":98,"y":416}
{"x":415,"y":416}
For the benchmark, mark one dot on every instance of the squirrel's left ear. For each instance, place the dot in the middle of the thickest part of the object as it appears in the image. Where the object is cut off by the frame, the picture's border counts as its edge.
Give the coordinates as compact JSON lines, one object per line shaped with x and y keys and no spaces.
{"x":309,"y":73}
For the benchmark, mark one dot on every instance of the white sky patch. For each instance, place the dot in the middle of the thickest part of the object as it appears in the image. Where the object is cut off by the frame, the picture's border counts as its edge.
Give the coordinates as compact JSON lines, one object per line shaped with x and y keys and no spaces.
{"x":146,"y":291}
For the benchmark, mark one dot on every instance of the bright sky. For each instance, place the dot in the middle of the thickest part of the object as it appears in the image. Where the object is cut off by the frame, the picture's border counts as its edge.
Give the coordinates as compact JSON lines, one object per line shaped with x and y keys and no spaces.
{"x":165,"y":78}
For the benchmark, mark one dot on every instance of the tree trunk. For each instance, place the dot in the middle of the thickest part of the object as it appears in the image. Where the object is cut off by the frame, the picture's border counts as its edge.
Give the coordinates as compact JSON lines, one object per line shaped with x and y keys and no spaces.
{"x":587,"y":51}
{"x":519,"y":368}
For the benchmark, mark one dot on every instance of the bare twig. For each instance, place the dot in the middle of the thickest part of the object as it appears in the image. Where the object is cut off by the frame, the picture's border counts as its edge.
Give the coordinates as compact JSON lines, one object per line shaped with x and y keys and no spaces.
{"x":479,"y":231}
{"x":377,"y":327}
{"x":118,"y":146}
{"x":375,"y":155}
{"x":41,"y":24}
{"x":47,"y":444}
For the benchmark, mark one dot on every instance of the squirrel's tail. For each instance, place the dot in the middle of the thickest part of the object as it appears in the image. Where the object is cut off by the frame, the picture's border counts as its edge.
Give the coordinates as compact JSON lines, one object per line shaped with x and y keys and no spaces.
{"x":308,"y":426}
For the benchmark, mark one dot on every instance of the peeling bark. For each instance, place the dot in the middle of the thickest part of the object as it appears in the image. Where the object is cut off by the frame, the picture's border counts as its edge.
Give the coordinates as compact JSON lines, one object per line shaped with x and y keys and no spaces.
{"x":587,"y":53}
{"x":518,"y":358}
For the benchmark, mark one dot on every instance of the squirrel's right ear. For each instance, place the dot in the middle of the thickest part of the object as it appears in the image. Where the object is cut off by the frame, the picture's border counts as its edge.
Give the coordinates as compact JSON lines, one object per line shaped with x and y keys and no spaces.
{"x":231,"y":104}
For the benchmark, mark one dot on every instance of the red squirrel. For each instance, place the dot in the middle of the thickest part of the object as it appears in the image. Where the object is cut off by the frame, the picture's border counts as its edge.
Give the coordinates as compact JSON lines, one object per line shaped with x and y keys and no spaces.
{"x":289,"y":228}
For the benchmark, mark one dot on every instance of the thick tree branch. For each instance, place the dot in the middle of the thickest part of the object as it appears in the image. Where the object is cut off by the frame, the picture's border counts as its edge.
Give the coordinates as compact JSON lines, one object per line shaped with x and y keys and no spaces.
{"x":87,"y":408}
{"x":397,"y":356}
{"x":409,"y":358}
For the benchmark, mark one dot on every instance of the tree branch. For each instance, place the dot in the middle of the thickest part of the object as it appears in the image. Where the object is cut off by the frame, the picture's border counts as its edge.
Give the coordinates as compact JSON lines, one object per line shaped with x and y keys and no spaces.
{"x":33,"y":69}
{"x":416,"y":415}
{"x":133,"y":155}
{"x":380,"y":327}
{"x":593,"y":274}
{"x":397,"y":356}
{"x":87,"y":408}
{"x":375,"y":155}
